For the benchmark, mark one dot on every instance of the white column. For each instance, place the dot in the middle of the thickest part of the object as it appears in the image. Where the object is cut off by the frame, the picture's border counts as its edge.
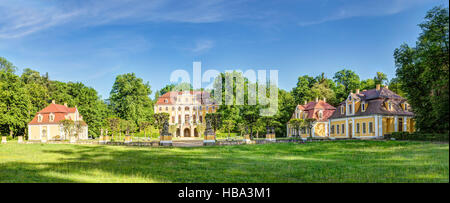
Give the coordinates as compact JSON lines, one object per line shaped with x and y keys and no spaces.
{"x":326,"y":129}
{"x":396,"y":123}
{"x":287,"y":130}
{"x":376,"y":126}
{"x":313,"y":130}
{"x":346,"y":127}
{"x":329,"y":125}
{"x":48,"y":132}
{"x":380,"y":126}
{"x":405,"y":123}
{"x":353,"y":126}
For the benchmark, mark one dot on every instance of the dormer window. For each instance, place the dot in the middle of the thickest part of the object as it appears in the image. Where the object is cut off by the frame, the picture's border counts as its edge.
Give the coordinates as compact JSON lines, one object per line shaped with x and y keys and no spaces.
{"x":342,"y":109}
{"x":350,"y":109}
{"x":51,"y":117}
{"x":405,"y":106}
{"x":320,"y":114}
{"x":166,"y":101}
{"x":390,"y":106}
{"x":363,"y":107}
{"x":40,"y":117}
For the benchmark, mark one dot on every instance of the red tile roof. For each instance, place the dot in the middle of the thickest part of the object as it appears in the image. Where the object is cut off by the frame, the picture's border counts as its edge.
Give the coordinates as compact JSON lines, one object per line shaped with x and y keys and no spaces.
{"x":313,"y":108}
{"x":59,"y":111}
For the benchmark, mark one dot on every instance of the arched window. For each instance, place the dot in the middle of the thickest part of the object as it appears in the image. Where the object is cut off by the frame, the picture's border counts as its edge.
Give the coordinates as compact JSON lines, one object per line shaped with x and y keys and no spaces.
{"x":40,"y":118}
{"x":186,"y":108}
{"x":320,"y":114}
{"x":51,"y":117}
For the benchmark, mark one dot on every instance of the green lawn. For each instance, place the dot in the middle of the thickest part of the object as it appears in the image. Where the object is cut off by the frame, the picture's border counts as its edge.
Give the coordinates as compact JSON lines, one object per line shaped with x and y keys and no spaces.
{"x":339,"y":161}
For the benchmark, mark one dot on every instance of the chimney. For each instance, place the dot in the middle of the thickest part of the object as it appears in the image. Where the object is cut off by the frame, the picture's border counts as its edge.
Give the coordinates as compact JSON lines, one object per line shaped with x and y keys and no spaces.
{"x":378,"y":86}
{"x":306,"y":102}
{"x":357,"y":91}
{"x":53,"y":102}
{"x":317,"y":99}
{"x":65,"y":104}
{"x":325,"y":100}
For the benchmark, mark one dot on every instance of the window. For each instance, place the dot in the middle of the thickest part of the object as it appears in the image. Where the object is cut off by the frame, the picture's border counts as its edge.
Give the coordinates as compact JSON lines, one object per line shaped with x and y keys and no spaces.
{"x":357,"y":128}
{"x":297,"y":115}
{"x":207,"y":108}
{"x":370,"y":127}
{"x":342,"y":109}
{"x":406,"y":106}
{"x":332,"y":129}
{"x":160,"y":108}
{"x":320,"y":114}
{"x":179,"y":108}
{"x":51,"y":117}
{"x":389,"y":106}
{"x":167,"y":108}
{"x":364,"y":128}
{"x":200,"y":108}
{"x":173,"y":108}
{"x":173,"y":119}
{"x":179,"y":118}
{"x":40,"y":118}
{"x":337,"y":129}
{"x":213,"y":107}
{"x":350,"y":109}
{"x":343,"y":128}
{"x":166,"y":101}
{"x":363,"y":107}
{"x":201,"y":119}
{"x":186,"y":108}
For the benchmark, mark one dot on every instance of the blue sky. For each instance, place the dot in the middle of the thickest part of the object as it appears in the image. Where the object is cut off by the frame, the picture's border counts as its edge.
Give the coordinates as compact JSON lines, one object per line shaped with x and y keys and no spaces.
{"x":92,"y":41}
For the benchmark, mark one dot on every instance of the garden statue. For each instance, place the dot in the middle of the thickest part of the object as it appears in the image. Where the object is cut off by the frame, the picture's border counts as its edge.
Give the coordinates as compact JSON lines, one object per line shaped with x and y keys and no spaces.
{"x":210,"y":136}
{"x":165,"y":138}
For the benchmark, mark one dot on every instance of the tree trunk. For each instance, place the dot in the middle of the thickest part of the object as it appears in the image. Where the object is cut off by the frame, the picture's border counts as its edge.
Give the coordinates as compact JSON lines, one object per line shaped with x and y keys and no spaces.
{"x":11,"y":133}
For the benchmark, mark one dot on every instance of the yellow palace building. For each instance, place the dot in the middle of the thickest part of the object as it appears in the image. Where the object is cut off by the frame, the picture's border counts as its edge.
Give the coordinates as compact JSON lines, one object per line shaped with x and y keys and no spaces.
{"x":186,"y":110}
{"x":371,"y":114}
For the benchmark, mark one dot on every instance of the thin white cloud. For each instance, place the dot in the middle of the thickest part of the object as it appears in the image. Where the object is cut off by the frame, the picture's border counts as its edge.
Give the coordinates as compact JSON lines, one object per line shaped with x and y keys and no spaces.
{"x":33,"y":16}
{"x":366,"y":8}
{"x":202,"y":46}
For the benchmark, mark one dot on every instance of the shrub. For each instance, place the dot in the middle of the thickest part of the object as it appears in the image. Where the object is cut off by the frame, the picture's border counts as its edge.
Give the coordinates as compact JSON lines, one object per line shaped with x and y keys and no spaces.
{"x":418,"y":136}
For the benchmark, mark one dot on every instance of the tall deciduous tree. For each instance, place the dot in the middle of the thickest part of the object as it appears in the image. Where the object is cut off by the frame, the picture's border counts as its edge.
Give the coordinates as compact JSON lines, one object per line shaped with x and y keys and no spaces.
{"x":424,"y":72}
{"x":14,"y":101}
{"x":130,"y":99}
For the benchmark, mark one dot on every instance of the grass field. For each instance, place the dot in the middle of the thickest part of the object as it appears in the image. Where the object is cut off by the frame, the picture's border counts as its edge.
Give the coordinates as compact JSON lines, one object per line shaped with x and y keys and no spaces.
{"x":339,"y":161}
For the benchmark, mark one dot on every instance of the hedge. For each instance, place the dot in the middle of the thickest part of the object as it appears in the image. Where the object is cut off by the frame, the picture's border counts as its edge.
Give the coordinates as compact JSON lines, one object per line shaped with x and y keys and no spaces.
{"x":418,"y":136}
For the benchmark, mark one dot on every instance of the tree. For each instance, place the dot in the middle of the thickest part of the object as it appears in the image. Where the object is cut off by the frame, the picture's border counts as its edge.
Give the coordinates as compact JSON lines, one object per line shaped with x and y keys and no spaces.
{"x":423,"y":72}
{"x":302,"y":92}
{"x":201,"y":127}
{"x":129,"y":98}
{"x":241,"y":128}
{"x":347,"y":78}
{"x":78,"y":127}
{"x":228,"y":125}
{"x":143,"y":126}
{"x":14,"y":101}
{"x":380,"y":78}
{"x":68,"y":127}
{"x":113,"y":124}
{"x":309,"y":124}
{"x":215,"y":120}
{"x":296,"y":124}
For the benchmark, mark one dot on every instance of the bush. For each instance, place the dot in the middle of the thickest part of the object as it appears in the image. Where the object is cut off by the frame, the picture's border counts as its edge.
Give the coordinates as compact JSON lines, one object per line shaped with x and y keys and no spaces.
{"x":418,"y":136}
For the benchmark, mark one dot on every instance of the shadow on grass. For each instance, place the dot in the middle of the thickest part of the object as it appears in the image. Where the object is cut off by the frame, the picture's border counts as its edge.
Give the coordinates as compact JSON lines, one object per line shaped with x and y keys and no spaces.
{"x":351,"y":161}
